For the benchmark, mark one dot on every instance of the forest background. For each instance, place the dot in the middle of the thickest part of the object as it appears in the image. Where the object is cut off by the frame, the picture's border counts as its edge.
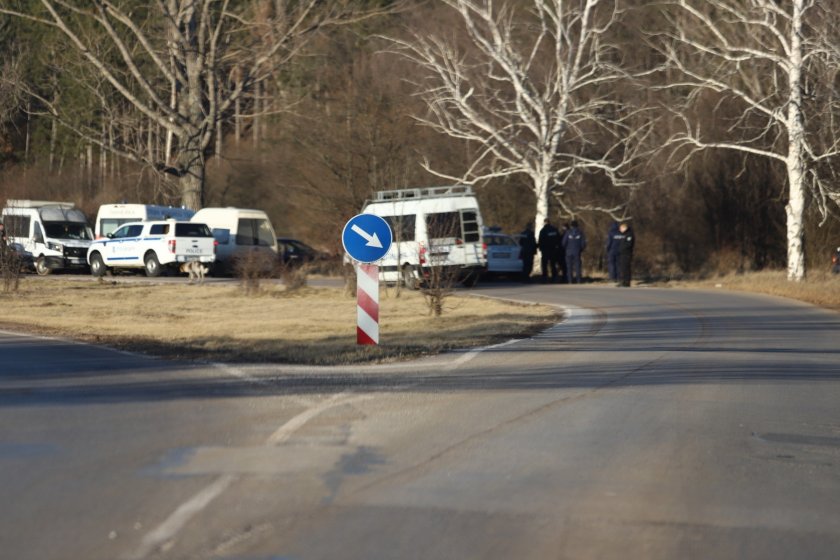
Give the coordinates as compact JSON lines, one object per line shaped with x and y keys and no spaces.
{"x":340,"y":115}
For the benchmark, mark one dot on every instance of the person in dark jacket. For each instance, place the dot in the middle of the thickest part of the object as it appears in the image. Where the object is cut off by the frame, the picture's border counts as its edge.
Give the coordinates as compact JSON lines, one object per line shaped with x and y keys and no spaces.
{"x":574,"y":243}
{"x":549,"y":240}
{"x":836,"y":260}
{"x":611,"y":246}
{"x":527,"y":250}
{"x":625,"y":253}
{"x":561,"y":256}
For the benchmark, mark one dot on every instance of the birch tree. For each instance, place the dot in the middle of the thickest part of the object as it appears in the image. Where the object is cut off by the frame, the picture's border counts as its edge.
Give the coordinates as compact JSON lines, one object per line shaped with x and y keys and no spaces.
{"x":530,"y":94}
{"x":180,"y":65}
{"x":772,"y":60}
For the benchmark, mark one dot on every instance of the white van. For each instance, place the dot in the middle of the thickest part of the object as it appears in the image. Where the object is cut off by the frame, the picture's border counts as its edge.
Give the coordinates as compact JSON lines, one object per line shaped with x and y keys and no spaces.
{"x":49,"y":235}
{"x":237,"y":230}
{"x":112,"y":216}
{"x":437,"y":226}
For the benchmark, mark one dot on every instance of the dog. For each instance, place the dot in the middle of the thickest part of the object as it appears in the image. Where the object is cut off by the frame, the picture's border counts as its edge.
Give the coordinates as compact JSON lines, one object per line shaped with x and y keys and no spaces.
{"x":195,"y":269}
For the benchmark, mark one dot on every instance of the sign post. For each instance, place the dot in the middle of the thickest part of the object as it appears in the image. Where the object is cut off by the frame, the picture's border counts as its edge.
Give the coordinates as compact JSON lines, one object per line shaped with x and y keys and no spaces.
{"x":367,"y":238}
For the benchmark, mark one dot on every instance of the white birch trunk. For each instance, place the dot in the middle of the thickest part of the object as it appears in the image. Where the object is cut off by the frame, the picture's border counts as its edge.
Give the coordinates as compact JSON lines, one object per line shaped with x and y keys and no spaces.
{"x":795,"y":208}
{"x":541,"y":191}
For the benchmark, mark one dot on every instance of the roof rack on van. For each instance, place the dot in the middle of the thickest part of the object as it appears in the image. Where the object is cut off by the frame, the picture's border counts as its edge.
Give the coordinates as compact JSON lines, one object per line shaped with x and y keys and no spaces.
{"x":37,"y":204}
{"x":428,"y":192}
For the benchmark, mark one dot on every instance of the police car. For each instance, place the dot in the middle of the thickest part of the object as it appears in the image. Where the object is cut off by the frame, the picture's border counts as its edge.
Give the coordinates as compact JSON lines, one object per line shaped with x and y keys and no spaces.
{"x":503,"y":253}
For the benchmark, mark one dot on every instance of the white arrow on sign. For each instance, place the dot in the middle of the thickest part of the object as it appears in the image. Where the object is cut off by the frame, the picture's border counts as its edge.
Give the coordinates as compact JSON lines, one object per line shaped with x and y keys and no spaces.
{"x":372,"y":240}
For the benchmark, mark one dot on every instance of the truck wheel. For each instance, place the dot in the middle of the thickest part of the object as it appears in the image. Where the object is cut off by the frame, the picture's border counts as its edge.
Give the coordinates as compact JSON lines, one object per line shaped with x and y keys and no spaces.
{"x":41,"y":266}
{"x":409,"y":280}
{"x":97,"y":266}
{"x":152,"y":265}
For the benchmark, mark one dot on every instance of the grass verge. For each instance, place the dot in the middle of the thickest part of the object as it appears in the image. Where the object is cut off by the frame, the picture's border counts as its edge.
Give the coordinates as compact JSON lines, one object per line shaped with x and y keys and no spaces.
{"x":819,"y":288}
{"x":315,"y":326}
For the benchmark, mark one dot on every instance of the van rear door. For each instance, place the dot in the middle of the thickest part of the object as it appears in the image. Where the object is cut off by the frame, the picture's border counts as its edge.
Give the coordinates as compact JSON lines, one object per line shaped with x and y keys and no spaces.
{"x":454,"y":237}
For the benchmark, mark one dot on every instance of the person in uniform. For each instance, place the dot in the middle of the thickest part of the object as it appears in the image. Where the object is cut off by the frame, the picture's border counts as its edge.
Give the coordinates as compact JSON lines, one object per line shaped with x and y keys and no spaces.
{"x":549,"y":239}
{"x":625,"y":253}
{"x":574,"y":243}
{"x":528,"y":248}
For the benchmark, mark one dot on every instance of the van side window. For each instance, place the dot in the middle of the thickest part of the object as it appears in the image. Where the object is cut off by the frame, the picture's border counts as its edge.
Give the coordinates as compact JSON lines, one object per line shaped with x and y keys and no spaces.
{"x":159,"y":229}
{"x":38,"y":234}
{"x":254,"y":232}
{"x":17,"y":226}
{"x":443,"y":225}
{"x":402,"y":226}
{"x":469,"y":219}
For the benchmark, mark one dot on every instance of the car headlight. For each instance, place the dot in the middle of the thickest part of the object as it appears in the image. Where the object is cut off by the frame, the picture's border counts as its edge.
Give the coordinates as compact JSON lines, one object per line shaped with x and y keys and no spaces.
{"x":55,"y":246}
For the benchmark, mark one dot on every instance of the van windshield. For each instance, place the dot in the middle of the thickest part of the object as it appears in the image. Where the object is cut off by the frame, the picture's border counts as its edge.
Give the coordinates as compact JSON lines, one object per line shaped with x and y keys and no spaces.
{"x":110,"y":225}
{"x":67,"y":230}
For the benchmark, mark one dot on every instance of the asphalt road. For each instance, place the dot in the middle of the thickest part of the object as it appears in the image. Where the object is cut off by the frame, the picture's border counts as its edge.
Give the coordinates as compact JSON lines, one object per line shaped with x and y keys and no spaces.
{"x":650,"y":424}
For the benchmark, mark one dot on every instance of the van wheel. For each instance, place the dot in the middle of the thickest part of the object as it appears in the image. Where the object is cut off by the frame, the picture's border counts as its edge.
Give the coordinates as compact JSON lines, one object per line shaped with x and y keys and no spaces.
{"x":41,"y":266}
{"x":152,"y":265}
{"x":97,"y":266}
{"x":409,"y":280}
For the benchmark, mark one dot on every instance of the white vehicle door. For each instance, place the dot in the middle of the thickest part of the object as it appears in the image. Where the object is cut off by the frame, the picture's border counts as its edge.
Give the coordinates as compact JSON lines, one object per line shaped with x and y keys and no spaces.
{"x":121,"y":248}
{"x":36,"y":243}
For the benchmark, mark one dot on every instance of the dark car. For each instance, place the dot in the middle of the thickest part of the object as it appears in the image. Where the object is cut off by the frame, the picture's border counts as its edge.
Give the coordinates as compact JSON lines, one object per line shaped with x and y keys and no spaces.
{"x":293,"y":251}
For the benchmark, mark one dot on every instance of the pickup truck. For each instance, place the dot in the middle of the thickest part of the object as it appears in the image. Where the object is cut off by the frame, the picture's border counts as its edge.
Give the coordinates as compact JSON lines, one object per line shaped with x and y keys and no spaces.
{"x":153,"y":246}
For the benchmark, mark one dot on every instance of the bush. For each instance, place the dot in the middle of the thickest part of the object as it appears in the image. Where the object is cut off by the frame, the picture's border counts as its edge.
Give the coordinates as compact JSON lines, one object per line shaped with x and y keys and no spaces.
{"x":294,"y":277}
{"x":10,"y":267}
{"x":253,"y":267}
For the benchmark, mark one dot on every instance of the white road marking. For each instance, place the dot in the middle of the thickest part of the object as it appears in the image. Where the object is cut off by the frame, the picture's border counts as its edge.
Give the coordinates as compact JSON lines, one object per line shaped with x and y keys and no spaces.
{"x":167,"y":530}
{"x":473,"y":353}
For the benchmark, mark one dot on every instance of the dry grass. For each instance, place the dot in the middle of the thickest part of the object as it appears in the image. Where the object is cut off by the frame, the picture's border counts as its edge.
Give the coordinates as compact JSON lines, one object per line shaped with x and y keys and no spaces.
{"x":221,"y":323}
{"x":819,"y":288}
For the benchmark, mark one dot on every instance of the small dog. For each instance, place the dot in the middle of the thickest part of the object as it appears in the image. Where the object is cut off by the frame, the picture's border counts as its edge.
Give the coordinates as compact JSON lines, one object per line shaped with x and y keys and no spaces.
{"x":195,"y":269}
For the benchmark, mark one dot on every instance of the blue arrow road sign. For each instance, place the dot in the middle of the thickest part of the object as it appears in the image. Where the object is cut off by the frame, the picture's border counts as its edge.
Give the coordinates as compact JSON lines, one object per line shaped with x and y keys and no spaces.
{"x":366,"y":238}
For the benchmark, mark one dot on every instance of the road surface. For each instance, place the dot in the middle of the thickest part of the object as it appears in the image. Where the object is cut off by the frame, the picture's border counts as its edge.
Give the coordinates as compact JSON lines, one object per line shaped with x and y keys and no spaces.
{"x":650,"y":424}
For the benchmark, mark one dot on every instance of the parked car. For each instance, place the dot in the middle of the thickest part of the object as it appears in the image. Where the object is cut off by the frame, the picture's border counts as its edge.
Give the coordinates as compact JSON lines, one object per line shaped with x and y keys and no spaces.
{"x":835,"y":261}
{"x":503,"y":253}
{"x":152,"y":246}
{"x":293,"y":252}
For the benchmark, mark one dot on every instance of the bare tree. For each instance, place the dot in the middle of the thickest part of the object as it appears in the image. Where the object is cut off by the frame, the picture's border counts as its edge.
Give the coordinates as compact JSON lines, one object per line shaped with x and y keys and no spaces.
{"x":530,"y":94}
{"x":771,"y":61}
{"x":181,"y":64}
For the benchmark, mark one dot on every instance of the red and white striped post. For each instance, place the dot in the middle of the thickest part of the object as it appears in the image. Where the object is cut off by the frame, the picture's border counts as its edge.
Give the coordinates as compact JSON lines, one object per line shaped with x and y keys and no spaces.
{"x":367,"y":304}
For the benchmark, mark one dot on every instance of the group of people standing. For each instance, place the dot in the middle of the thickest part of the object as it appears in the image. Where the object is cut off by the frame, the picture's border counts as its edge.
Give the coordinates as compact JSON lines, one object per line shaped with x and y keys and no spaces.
{"x":561,"y":251}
